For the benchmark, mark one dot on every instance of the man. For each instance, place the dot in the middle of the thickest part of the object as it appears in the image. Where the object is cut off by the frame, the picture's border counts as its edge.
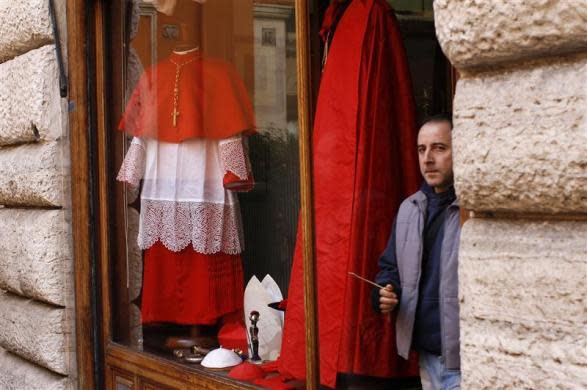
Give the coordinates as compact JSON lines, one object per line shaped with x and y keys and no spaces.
{"x":419,"y":265}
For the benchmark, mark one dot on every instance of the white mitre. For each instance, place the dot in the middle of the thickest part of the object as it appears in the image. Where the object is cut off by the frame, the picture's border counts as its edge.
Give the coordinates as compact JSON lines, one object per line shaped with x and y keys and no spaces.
{"x":257,"y":296}
{"x":274,"y":291}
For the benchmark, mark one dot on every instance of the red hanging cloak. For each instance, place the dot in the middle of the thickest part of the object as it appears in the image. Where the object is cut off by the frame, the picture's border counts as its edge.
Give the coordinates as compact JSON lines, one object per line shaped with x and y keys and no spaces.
{"x":365,"y":164}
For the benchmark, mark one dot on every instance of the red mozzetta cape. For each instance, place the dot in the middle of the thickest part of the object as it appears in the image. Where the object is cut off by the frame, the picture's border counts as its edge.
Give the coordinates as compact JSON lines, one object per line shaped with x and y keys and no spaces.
{"x":365,"y":164}
{"x":213,"y":101}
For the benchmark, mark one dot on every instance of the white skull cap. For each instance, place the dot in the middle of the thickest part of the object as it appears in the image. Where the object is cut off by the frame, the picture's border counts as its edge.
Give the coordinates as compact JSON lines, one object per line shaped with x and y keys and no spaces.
{"x":221,"y":358}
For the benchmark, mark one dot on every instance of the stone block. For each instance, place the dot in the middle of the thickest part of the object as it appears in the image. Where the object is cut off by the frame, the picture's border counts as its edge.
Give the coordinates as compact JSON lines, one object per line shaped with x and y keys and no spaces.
{"x":30,"y":105}
{"x":32,"y":175}
{"x":480,"y":33}
{"x":35,"y":254}
{"x":491,"y":367}
{"x":24,"y":25}
{"x":520,"y":139}
{"x":18,"y":374}
{"x":523,"y":310}
{"x":35,"y":331}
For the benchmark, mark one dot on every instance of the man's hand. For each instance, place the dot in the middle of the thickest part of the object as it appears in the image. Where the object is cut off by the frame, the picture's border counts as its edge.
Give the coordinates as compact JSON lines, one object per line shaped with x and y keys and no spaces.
{"x":387,"y":299}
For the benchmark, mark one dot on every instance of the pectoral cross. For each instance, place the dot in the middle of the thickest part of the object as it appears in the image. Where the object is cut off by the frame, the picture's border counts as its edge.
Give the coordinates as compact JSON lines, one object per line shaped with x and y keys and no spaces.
{"x":175,"y":114}
{"x":178,"y":67}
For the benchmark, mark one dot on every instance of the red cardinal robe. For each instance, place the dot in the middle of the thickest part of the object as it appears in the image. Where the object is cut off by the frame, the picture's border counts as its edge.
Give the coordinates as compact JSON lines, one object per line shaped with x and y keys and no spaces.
{"x":365,"y":164}
{"x":189,"y":228}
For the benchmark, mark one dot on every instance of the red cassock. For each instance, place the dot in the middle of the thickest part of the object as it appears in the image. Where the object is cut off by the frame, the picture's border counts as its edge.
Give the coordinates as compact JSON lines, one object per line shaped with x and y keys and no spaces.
{"x":189,"y":227}
{"x":365,"y":164}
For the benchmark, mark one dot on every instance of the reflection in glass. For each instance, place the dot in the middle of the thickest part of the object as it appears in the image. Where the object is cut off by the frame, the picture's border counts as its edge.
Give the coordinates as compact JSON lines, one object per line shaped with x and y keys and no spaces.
{"x":210,"y":166}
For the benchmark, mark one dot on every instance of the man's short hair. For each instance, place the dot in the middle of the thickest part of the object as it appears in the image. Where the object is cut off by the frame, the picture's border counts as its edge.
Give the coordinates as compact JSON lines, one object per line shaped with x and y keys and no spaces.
{"x":441,"y":117}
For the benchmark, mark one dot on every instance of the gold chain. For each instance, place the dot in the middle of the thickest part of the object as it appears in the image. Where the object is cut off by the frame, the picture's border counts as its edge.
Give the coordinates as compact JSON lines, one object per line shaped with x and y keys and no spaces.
{"x":178,"y":67}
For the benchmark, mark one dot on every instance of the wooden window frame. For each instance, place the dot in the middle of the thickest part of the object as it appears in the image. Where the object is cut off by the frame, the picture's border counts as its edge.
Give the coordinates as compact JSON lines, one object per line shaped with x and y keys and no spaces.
{"x":89,"y":119}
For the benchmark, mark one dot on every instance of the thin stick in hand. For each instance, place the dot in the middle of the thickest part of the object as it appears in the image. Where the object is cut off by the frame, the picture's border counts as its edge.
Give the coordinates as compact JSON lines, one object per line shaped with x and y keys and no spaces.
{"x":365,"y":280}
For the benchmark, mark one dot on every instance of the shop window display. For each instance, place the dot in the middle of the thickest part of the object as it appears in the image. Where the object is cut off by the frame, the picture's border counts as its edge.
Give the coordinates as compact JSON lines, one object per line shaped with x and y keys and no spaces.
{"x":209,"y":170}
{"x":205,"y":174}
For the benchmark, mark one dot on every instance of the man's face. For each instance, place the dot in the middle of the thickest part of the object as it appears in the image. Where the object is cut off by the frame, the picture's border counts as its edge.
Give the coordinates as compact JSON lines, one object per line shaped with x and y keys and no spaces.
{"x":435,"y":154}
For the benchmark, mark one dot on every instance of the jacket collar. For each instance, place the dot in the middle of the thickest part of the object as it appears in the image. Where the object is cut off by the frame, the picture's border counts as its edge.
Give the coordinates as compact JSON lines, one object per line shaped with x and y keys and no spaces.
{"x":420,"y":199}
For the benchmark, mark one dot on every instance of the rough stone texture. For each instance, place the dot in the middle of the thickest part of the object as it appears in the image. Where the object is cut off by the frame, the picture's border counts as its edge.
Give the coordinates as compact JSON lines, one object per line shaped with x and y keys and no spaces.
{"x":19,"y":374}
{"x":31,"y":175}
{"x":35,"y":331}
{"x":136,"y":327}
{"x":35,"y":258}
{"x":24,"y":25}
{"x":475,"y":33}
{"x":523,"y":289}
{"x":35,"y":252}
{"x":30,"y":105}
{"x":520,"y":139}
{"x":135,"y":254}
{"x":135,"y":269}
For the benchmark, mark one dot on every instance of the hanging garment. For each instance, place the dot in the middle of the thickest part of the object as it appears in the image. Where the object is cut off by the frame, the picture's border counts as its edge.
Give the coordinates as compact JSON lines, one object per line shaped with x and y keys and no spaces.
{"x":365,"y":163}
{"x":183,"y":199}
{"x":189,"y":226}
{"x":188,"y":287}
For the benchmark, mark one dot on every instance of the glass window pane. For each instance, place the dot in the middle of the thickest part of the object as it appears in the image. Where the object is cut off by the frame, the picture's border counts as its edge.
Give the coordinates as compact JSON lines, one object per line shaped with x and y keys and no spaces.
{"x":207,"y":173}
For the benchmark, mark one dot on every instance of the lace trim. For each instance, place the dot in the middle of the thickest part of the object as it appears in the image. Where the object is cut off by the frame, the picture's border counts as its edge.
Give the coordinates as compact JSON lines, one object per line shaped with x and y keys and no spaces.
{"x":209,"y":227}
{"x":133,"y":166}
{"x":233,"y":157}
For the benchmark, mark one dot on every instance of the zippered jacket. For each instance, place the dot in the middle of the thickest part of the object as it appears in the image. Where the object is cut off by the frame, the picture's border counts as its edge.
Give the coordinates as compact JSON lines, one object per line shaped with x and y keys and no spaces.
{"x":401,"y":266}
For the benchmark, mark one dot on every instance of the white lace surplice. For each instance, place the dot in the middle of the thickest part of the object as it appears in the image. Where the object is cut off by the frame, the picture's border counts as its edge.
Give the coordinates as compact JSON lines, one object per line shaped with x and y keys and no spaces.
{"x":183,"y":200}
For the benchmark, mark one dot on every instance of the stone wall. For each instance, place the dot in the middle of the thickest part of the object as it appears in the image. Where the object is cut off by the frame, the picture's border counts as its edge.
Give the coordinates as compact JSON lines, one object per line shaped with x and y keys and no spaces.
{"x":36,"y":278}
{"x":520,"y":153}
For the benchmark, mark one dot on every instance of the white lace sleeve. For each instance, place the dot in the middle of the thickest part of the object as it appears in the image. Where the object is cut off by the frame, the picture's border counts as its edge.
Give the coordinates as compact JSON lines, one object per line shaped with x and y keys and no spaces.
{"x":133,"y":166}
{"x":233,"y":157}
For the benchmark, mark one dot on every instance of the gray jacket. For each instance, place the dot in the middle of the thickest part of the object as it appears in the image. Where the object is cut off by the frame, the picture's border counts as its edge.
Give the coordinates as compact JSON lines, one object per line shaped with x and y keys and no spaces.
{"x":409,"y":248}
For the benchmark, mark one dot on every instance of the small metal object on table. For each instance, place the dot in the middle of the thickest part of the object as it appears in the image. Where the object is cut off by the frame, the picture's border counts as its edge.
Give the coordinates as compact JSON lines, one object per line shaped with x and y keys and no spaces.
{"x":193,"y":358}
{"x":254,"y":333}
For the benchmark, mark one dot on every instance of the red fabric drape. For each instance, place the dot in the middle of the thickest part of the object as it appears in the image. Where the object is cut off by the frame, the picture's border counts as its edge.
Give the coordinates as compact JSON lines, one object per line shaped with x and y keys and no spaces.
{"x":188,"y":287}
{"x":365,"y":163}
